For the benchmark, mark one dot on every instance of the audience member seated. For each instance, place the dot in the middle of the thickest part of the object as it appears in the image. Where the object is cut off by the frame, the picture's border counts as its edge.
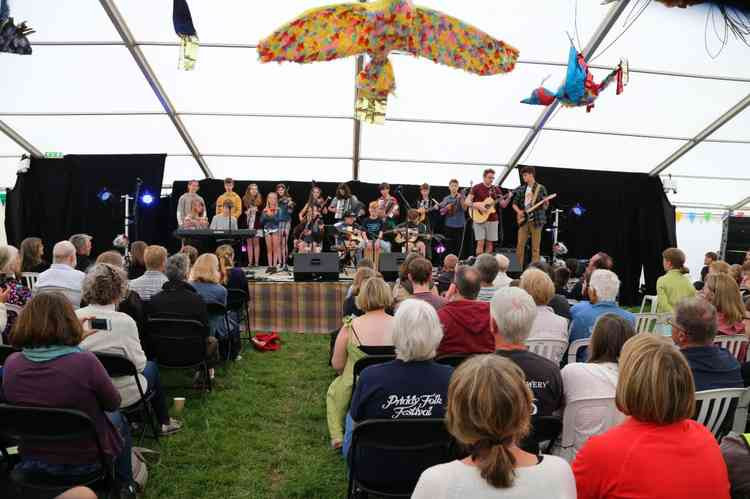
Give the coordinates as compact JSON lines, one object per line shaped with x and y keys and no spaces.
{"x":745,"y":284}
{"x":82,"y":243}
{"x":466,"y":321}
{"x":561,"y":276}
{"x":52,"y":371}
{"x":373,"y":329}
{"x":723,"y":293}
{"x":674,"y":286}
{"x":445,"y":277}
{"x":78,"y":493}
{"x":153,"y":279}
{"x":559,"y":303}
{"x":389,"y":390}
{"x":350,"y":304}
{"x":658,"y":451}
{"x":708,"y":259}
{"x":488,"y":269}
{"x":693,"y":331}
{"x":513,"y":313}
{"x":205,"y":278}
{"x":402,"y":288}
{"x":602,"y":290}
{"x":137,"y":260}
{"x":575,"y":270}
{"x":547,"y":325}
{"x":12,"y":285}
{"x":419,"y":274}
{"x":179,"y":300}
{"x":62,"y":275}
{"x":32,"y":251}
{"x":191,"y":252}
{"x":131,"y":304}
{"x":719,"y":267}
{"x":502,"y":280}
{"x":600,"y":261}
{"x":231,"y":276}
{"x":489,"y":412}
{"x":103,"y":288}
{"x":596,"y":378}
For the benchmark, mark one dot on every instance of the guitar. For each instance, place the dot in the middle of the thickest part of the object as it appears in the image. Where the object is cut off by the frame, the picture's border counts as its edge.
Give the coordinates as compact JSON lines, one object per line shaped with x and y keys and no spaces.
{"x":423,"y":211}
{"x":480,"y":217}
{"x":528,"y":214}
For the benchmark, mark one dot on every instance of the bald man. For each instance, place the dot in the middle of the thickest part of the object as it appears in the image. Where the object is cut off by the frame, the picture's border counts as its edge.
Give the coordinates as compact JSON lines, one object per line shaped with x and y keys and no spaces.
{"x":62,"y":275}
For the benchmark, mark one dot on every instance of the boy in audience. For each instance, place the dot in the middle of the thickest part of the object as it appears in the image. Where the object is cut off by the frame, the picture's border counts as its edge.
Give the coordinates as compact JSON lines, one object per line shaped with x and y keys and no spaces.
{"x":488,"y":268}
{"x":419,"y":274}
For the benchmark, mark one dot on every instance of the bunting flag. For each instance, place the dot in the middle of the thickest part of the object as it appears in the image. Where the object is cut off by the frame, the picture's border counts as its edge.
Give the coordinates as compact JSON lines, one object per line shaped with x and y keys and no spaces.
{"x":703,"y":217}
{"x":678,"y":216}
{"x":691,"y":217}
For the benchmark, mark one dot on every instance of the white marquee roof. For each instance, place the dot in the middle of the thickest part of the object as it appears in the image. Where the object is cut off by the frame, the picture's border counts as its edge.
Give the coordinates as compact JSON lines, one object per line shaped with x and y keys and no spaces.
{"x":94,"y":82}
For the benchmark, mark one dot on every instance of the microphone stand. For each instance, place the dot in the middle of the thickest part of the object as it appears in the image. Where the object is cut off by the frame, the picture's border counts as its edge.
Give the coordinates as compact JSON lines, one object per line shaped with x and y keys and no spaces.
{"x":408,"y":207}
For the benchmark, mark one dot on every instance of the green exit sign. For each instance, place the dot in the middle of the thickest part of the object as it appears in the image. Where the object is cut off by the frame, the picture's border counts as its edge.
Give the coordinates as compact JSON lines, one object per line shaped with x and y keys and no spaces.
{"x":53,"y":155}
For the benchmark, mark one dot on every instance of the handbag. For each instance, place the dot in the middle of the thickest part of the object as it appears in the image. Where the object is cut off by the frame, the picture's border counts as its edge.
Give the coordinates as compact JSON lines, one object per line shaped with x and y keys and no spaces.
{"x":267,"y":342}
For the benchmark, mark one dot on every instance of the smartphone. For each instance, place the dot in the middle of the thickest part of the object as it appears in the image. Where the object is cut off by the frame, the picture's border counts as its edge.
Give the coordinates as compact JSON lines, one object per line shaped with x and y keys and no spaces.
{"x":101,"y":324}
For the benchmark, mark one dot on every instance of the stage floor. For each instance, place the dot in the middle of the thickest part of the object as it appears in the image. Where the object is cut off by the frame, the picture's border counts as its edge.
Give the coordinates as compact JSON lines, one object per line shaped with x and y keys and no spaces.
{"x":277,"y":303}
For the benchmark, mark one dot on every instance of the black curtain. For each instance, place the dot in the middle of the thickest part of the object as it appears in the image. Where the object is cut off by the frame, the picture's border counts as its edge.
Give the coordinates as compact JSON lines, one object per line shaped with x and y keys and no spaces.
{"x":56,"y":198}
{"x":627,"y":216}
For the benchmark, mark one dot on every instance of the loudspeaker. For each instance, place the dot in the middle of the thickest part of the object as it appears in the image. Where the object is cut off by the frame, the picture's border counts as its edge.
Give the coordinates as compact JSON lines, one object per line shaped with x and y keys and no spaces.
{"x":510,"y":254}
{"x":736,"y":239}
{"x":389,"y":265}
{"x":316,"y":267}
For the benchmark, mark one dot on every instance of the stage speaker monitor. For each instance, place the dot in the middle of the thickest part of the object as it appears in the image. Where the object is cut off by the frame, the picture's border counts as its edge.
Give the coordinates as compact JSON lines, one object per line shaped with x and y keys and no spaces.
{"x":316,"y":267}
{"x":515,"y":265}
{"x":389,"y":265}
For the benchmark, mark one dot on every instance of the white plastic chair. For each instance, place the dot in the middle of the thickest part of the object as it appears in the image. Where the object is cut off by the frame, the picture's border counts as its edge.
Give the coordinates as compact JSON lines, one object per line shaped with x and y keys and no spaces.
{"x":549,"y":348}
{"x":575,"y":346}
{"x":715,"y":405}
{"x":30,"y":278}
{"x":734,"y":344}
{"x":654,"y":302}
{"x":740,"y":415}
{"x":583,"y":419}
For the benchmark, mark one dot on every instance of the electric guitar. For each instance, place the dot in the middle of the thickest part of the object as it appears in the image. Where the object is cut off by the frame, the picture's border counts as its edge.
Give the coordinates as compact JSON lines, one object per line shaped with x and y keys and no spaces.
{"x":481,"y":216}
{"x":528,"y":215}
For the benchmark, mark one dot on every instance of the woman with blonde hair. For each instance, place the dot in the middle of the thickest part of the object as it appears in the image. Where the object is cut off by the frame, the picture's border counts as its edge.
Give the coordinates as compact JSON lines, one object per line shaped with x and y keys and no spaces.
{"x":659,"y":451}
{"x":350,"y":304}
{"x":722,"y":292}
{"x":371,"y":332}
{"x":206,"y":279}
{"x":197,"y":218}
{"x":231,"y":276}
{"x":489,"y":412}
{"x":253,"y":202}
{"x":269,"y":219}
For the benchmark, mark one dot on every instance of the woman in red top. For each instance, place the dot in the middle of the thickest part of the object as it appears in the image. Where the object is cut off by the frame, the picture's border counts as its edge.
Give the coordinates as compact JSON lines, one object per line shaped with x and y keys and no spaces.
{"x":658,"y":452}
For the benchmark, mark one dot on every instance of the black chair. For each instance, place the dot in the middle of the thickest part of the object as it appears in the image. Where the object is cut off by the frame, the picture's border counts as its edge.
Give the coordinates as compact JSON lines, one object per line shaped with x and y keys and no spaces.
{"x":219,"y":310}
{"x":543,"y":429}
{"x":237,"y":301}
{"x":382,"y":449}
{"x":368,"y":361}
{"x":453,"y":359}
{"x":41,"y":426}
{"x":179,"y":344}
{"x":378,"y":350}
{"x":118,"y":366}
{"x":5,"y":352}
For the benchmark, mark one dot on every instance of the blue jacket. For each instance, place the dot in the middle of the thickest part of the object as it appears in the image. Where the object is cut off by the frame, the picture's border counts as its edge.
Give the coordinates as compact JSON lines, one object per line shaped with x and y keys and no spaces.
{"x":584,"y":317}
{"x":713,"y":368}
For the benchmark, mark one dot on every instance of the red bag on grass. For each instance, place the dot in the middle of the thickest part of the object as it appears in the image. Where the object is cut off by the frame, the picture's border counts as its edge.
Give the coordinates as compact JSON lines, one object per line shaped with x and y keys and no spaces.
{"x":267,"y":342}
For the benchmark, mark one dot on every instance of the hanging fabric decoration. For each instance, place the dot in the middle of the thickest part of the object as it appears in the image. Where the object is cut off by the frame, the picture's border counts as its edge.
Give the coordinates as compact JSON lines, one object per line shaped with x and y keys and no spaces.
{"x":579,"y":88}
{"x":691,"y":217}
{"x":707,"y":216}
{"x":678,"y":216}
{"x":189,"y":43}
{"x":377,"y":29}
{"x":13,"y":39}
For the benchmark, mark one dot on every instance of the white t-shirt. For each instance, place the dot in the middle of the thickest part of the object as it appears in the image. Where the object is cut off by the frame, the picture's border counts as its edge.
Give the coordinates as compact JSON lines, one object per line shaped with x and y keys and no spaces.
{"x":529,"y":197}
{"x":548,"y":325}
{"x":550,"y":479}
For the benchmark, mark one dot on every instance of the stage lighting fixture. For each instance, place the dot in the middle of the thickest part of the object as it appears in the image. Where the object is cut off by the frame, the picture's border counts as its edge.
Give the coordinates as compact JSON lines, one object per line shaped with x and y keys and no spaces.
{"x":147,"y":198}
{"x":440,"y":249}
{"x":578,"y":210}
{"x":104,"y":195}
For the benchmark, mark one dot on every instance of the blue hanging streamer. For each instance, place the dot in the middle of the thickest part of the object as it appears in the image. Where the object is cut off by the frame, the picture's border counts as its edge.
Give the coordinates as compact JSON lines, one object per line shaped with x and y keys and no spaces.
{"x":183,"y":21}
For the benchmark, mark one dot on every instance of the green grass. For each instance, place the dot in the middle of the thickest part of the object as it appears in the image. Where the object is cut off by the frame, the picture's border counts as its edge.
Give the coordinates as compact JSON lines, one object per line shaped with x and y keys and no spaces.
{"x":261,"y":433}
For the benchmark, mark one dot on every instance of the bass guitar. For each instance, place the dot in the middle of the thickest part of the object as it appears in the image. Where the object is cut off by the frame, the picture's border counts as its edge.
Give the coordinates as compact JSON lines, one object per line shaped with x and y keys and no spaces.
{"x":528,"y":215}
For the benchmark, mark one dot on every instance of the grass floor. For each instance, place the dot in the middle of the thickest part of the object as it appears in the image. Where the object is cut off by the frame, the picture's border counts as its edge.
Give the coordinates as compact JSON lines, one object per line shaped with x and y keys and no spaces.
{"x":261,"y":433}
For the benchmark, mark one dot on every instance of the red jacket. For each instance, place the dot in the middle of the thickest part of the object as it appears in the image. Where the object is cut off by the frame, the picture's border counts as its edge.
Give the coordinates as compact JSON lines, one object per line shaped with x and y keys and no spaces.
{"x":466,"y":327}
{"x":639,"y":460}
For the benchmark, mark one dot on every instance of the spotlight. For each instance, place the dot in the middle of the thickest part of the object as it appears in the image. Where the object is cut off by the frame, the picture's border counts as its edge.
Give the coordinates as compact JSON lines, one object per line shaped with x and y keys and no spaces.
{"x":104,"y":195}
{"x":147,"y":198}
{"x":440,"y":249}
{"x":578,"y":210}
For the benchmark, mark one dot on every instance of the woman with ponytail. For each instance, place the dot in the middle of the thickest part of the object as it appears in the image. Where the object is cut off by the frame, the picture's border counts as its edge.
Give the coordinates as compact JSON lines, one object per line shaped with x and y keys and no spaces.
{"x":675,"y":285}
{"x":489,"y":412}
{"x":231,"y":276}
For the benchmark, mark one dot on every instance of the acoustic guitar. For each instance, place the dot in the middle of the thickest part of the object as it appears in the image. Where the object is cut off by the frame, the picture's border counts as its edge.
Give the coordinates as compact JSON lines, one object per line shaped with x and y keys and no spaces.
{"x":489,"y":205}
{"x":528,"y":214}
{"x":423,"y":211}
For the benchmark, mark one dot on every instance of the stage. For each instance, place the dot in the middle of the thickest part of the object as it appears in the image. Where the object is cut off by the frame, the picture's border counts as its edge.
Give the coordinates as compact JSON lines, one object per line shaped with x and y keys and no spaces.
{"x":277,"y":303}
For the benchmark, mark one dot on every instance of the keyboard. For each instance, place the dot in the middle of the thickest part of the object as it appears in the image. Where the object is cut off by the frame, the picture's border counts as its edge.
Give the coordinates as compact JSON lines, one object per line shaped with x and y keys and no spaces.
{"x":215,"y":234}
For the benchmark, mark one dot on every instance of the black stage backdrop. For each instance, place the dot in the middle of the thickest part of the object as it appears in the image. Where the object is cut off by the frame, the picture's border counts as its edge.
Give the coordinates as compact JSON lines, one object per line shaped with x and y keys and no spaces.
{"x":58,"y":197}
{"x":627,"y":216}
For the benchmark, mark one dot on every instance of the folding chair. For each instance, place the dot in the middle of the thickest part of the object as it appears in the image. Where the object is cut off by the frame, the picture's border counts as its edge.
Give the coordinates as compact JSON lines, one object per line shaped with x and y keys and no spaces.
{"x":575,"y":347}
{"x":740,"y":415}
{"x":717,"y":407}
{"x":737,"y":345}
{"x":653,"y":300}
{"x":453,"y":359}
{"x":370,"y":360}
{"x":30,"y":278}
{"x":42,"y":426}
{"x":118,"y":366}
{"x":395,"y":447}
{"x":178,"y":344}
{"x":549,"y":348}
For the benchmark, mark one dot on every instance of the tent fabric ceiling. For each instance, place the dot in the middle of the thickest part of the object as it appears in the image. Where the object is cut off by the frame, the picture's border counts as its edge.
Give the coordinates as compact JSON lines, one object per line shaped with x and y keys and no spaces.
{"x":81,"y":92}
